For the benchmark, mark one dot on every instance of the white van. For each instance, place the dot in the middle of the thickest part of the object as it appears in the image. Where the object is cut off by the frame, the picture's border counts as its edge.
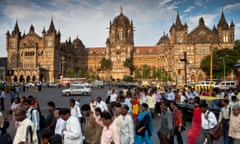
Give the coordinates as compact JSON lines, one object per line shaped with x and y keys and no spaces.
{"x":225,"y":85}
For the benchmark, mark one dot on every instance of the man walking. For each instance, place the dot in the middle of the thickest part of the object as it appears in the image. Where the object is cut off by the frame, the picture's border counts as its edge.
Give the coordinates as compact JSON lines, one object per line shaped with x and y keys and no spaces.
{"x":25,"y":131}
{"x":224,"y":118}
{"x":234,"y":129}
{"x":73,"y":132}
{"x":209,"y":121}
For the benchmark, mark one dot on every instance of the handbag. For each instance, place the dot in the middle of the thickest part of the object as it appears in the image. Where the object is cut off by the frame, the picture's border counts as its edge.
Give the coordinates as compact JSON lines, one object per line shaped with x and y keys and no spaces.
{"x":216,"y":132}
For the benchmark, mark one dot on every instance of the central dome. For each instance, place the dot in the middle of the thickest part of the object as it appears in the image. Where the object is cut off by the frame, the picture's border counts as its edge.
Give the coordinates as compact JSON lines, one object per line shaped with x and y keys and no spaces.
{"x":121,"y":20}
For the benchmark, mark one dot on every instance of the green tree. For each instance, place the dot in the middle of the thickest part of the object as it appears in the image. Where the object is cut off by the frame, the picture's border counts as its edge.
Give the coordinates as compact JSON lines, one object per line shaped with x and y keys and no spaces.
{"x":106,"y":65}
{"x":129,"y":64}
{"x":227,"y":57}
{"x":70,"y":73}
{"x":137,"y":74}
{"x":145,"y":71}
{"x":80,"y":73}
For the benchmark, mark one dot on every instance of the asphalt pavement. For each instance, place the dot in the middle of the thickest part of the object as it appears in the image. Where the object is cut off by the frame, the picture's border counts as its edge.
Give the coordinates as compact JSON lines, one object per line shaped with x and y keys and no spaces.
{"x":55,"y":95}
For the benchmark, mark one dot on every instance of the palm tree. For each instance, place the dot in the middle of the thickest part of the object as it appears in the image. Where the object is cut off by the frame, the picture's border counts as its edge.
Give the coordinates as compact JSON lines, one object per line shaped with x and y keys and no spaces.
{"x":129,"y":64}
{"x":106,"y":65}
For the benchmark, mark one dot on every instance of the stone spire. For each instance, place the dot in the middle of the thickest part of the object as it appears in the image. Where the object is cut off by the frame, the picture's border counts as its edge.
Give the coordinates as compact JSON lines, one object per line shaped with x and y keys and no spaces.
{"x":32,"y":29}
{"x":16,"y":28}
{"x":222,"y":22}
{"x":178,"y":20}
{"x":51,"y":28}
{"x":201,"y":21}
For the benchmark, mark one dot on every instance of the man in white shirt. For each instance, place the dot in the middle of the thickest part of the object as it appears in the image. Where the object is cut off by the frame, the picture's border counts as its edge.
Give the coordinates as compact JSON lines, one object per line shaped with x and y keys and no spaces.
{"x":170,"y":95}
{"x":23,"y":133}
{"x":73,"y":132}
{"x":101,"y":104}
{"x":209,"y":121}
{"x":60,"y":124}
{"x":126,"y":127}
{"x":75,"y":109}
{"x":113,"y":96}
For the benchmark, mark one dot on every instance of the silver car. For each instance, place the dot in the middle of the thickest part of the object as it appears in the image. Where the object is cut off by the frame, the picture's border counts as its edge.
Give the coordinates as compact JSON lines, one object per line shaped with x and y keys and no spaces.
{"x":76,"y":90}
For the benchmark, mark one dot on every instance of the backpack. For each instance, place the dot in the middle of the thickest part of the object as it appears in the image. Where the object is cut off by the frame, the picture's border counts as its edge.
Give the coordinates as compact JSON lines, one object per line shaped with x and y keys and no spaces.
{"x":42,"y":120}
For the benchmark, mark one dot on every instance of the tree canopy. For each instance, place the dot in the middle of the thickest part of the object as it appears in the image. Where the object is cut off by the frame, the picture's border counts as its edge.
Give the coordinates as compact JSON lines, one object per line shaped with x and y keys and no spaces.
{"x":227,"y":57}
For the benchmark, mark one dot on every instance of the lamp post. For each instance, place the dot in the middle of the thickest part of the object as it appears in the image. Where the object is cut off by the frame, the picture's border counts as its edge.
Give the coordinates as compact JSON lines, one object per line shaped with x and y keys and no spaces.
{"x":185,"y":68}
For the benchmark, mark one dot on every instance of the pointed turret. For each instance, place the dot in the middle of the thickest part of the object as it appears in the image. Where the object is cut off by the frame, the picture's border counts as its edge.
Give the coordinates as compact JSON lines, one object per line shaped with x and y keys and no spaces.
{"x":23,"y":34}
{"x":51,"y":28}
{"x":222,"y":22}
{"x":7,"y":33}
{"x":214,"y":29}
{"x":16,"y":28}
{"x":43,"y":31}
{"x":201,"y":22}
{"x":31,"y":30}
{"x":178,"y":20}
{"x":232,"y":24}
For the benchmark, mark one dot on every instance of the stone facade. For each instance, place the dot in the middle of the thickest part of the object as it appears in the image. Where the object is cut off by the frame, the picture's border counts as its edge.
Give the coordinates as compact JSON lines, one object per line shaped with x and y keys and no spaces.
{"x":35,"y":58}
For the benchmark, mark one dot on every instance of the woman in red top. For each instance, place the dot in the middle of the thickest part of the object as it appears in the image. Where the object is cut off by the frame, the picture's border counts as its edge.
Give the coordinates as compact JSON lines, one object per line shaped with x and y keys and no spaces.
{"x":194,"y":132}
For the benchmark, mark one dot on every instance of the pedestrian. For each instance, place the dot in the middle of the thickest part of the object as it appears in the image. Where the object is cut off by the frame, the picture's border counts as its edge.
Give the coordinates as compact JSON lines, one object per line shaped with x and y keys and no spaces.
{"x":14,"y":106}
{"x":2,"y":98}
{"x":177,"y":123}
{"x":208,"y":122}
{"x":151,"y":101}
{"x":92,"y":129}
{"x":101,"y":104}
{"x":170,"y":95}
{"x":113,"y":99}
{"x":110,"y":133}
{"x":135,"y":106}
{"x":12,"y":96}
{"x":45,"y":135}
{"x":98,"y":119}
{"x":224,"y":117}
{"x":60,"y":124}
{"x":234,"y":129}
{"x":166,"y":123}
{"x":117,"y":115}
{"x":126,"y":127}
{"x":73,"y":132}
{"x":75,"y":110}
{"x":158,"y":100}
{"x":55,"y":139}
{"x":25,"y":132}
{"x":93,"y":104}
{"x":144,"y":126}
{"x":5,"y":138}
{"x":50,"y":120}
{"x":194,"y":132}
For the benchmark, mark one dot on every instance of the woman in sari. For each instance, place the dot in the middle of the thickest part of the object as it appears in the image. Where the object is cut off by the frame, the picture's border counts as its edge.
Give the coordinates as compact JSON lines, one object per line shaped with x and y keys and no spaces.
{"x":144,"y":127}
{"x":194,"y":132}
{"x":135,"y":106}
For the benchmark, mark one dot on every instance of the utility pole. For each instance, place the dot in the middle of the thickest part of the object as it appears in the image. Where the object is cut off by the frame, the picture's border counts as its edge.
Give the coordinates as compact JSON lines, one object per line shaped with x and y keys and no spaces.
{"x":185,"y":68}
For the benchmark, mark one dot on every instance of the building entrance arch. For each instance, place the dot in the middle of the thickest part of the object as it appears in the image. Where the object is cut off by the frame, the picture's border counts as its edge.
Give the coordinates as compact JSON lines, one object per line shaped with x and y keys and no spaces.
{"x":28,"y":78}
{"x":34,"y":78}
{"x":21,"y":79}
{"x":15,"y":79}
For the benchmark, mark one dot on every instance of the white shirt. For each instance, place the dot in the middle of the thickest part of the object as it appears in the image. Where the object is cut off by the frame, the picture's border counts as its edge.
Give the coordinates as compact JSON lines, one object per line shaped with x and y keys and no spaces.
{"x":22,"y":132}
{"x":170,"y":96}
{"x":126,"y":130}
{"x":182,"y":99}
{"x":210,"y":122}
{"x":34,"y":116}
{"x":60,"y":125}
{"x":73,"y":132}
{"x":113,"y":97}
{"x":102,"y":105}
{"x":75,"y":111}
{"x":2,"y":94}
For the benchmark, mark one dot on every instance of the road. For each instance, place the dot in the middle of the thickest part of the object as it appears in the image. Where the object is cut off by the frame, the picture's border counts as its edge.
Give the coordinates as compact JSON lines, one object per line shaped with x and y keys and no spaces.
{"x":54,"y":94}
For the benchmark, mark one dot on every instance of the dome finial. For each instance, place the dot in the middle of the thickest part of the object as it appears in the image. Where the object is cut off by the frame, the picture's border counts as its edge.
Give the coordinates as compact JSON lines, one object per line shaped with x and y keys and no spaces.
{"x":121,"y":9}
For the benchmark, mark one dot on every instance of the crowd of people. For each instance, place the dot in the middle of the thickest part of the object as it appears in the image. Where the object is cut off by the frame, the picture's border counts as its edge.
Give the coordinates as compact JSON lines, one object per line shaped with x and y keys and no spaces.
{"x":125,"y":117}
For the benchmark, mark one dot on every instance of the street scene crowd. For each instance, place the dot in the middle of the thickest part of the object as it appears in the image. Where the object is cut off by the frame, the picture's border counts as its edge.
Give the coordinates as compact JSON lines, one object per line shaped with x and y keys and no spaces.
{"x":125,"y":117}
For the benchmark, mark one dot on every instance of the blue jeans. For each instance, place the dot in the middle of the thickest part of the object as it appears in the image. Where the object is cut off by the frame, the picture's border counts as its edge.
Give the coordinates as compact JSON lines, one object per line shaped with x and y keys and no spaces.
{"x":225,"y":127}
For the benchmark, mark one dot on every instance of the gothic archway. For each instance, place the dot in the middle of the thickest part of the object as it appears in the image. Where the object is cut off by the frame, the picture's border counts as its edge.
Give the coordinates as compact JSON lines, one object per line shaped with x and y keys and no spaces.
{"x":34,"y":78}
{"x":21,"y":79}
{"x":15,"y":79}
{"x":41,"y":77}
{"x":28,"y":78}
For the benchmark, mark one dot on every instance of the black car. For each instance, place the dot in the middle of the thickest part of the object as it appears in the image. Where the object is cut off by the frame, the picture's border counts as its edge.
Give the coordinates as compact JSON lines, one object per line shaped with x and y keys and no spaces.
{"x":187,"y":109}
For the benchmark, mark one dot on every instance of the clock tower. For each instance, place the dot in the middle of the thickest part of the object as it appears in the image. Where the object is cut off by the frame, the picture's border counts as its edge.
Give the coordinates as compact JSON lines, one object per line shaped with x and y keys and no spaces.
{"x":119,"y":45}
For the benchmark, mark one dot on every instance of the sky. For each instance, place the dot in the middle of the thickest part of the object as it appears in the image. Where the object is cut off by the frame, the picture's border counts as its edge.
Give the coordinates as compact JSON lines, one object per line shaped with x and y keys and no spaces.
{"x":89,"y":19}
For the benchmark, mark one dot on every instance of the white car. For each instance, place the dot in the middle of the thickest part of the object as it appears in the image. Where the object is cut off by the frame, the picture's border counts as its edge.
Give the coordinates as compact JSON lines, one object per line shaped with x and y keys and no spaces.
{"x":76,"y":89}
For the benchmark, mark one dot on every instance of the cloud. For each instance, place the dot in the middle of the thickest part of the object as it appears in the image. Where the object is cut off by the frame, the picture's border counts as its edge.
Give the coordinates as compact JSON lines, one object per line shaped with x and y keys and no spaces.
{"x":231,"y":7}
{"x":189,"y":9}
